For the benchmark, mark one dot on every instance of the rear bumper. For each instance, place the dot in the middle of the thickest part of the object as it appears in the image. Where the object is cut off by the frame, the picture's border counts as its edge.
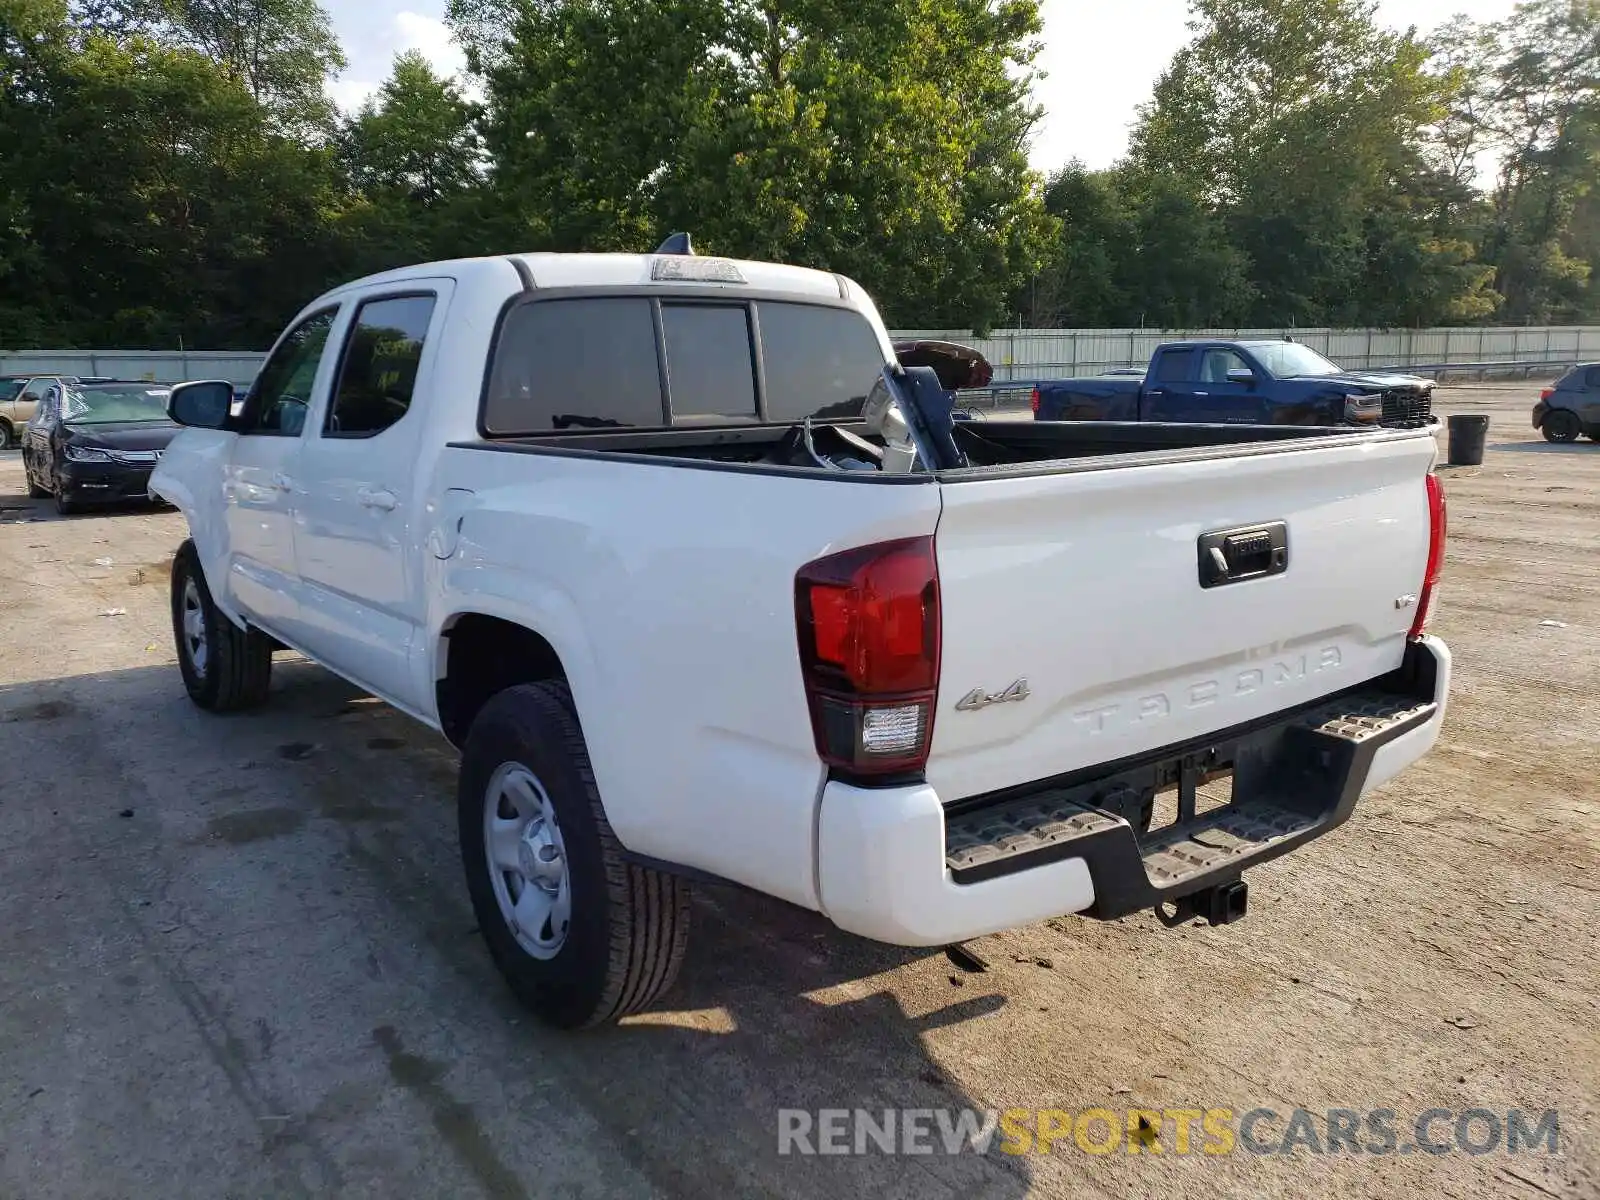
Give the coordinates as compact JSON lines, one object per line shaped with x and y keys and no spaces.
{"x":895,"y":866}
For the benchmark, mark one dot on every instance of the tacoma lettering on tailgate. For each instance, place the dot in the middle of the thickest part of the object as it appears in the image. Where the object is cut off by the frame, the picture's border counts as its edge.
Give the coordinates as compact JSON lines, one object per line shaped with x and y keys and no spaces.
{"x":1206,"y":692}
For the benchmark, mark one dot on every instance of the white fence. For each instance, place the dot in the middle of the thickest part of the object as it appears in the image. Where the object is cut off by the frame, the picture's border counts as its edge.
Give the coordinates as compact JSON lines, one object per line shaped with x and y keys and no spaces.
{"x":160,"y":366}
{"x":1025,"y":354}
{"x":1017,"y":354}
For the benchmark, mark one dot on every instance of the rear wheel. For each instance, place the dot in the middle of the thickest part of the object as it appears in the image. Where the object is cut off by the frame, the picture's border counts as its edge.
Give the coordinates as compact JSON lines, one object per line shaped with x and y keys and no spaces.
{"x":582,"y":936}
{"x":225,"y":668}
{"x":1562,"y":426}
{"x":8,"y":437}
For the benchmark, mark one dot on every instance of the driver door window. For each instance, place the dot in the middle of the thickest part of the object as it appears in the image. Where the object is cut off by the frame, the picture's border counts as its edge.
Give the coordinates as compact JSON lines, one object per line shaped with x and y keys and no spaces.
{"x":1215,"y":365}
{"x":279,"y":401}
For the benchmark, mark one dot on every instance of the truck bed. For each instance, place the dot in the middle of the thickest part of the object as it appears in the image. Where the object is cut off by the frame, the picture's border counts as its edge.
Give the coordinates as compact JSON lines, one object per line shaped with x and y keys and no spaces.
{"x":994,"y":448}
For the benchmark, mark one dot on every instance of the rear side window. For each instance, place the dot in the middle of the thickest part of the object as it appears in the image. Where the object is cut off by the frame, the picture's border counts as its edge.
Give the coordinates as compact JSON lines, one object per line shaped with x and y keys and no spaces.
{"x":1173,"y":367}
{"x":710,"y":371}
{"x":1594,"y":377}
{"x":575,"y":364}
{"x":379,"y":371}
{"x":819,"y":362}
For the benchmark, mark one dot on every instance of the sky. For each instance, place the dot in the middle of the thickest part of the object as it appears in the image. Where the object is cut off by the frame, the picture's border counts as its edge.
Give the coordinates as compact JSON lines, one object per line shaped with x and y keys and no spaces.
{"x":1100,"y":58}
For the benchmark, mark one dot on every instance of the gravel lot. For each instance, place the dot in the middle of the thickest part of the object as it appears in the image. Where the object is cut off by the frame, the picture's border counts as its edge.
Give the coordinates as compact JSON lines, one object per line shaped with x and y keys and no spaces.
{"x":237,"y":958}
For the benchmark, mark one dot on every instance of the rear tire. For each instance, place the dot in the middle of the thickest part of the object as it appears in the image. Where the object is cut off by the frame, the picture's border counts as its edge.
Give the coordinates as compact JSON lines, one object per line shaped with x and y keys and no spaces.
{"x":225,"y":668}
{"x":604,"y":938}
{"x":8,"y":437}
{"x":1561,"y":426}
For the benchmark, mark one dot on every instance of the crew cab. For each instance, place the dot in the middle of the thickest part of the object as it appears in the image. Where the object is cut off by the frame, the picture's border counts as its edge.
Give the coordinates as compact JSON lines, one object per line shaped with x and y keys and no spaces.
{"x":706,"y":586}
{"x":1251,"y":383}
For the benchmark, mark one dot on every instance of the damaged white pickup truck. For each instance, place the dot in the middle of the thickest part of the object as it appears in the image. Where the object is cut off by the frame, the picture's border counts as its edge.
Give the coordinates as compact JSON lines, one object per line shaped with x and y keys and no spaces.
{"x":706,"y":586}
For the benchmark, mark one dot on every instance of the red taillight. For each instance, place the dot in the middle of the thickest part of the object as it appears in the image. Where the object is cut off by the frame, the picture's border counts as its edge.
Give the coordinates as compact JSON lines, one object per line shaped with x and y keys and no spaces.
{"x":1436,"y":536}
{"x":868,"y":622}
{"x":1034,"y":401}
{"x":1547,"y":393}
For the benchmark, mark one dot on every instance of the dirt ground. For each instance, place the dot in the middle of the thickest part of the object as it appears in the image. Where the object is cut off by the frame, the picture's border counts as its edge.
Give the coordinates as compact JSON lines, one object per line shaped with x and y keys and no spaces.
{"x":237,"y":957}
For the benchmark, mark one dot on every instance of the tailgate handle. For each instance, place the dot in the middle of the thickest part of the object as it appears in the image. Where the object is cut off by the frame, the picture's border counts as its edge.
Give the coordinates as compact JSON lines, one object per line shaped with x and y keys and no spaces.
{"x":1235,"y":555}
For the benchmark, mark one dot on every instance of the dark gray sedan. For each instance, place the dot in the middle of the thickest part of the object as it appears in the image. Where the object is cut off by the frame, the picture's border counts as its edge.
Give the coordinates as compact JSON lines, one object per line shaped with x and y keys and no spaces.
{"x":96,"y":443}
{"x":1571,"y":407}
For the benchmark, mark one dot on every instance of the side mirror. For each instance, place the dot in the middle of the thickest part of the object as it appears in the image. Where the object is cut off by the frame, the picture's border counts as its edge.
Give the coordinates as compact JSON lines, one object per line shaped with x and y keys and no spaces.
{"x":203,"y":405}
{"x":1241,"y":375}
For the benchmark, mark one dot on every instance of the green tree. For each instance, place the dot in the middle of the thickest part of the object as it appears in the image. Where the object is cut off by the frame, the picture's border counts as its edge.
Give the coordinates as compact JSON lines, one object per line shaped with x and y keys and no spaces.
{"x":413,"y":160}
{"x":284,"y":51}
{"x":1302,"y":124}
{"x":153,"y":201}
{"x":1084,"y":279}
{"x":885,"y":139}
{"x":416,"y":138}
{"x":1536,"y":103}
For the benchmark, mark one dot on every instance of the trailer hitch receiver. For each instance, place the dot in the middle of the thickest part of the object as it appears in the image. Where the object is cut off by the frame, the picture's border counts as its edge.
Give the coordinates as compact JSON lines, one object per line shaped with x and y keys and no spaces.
{"x":1220,"y":905}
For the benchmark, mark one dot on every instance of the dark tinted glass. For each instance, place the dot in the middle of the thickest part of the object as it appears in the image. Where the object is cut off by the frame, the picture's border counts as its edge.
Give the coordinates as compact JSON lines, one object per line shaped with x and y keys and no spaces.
{"x":575,"y":364}
{"x":819,"y":362}
{"x":1173,"y":367}
{"x":104,"y":404}
{"x":1594,"y":377}
{"x":282,"y":392}
{"x":709,"y":369}
{"x":379,"y":372}
{"x":9,"y":388}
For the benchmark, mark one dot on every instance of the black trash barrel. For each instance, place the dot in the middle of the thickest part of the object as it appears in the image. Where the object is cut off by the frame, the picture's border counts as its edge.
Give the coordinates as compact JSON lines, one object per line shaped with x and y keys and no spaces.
{"x":1467,"y":438}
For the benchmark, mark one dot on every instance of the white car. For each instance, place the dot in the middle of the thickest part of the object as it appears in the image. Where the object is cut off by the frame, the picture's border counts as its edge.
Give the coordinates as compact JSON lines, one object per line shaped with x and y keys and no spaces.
{"x":705,"y":585}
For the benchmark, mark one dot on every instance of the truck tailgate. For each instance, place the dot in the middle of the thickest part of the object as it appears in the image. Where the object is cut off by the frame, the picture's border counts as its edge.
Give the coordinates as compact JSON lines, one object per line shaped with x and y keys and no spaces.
{"x":1086,"y":587}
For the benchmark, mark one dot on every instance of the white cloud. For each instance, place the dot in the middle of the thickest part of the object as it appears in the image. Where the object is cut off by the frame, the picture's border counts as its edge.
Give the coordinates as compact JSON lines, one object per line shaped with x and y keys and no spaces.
{"x":372,"y":40}
{"x":418,"y":31}
{"x":1103,"y":59}
{"x":350,"y":94}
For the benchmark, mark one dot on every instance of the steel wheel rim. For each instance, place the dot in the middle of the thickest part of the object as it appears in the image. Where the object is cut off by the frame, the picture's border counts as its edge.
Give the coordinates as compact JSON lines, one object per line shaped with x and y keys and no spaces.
{"x":194,"y":628}
{"x":527,"y":860}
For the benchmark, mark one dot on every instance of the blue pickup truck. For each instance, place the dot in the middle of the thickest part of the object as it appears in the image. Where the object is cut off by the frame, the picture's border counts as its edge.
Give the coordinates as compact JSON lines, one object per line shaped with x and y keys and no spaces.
{"x":1240,"y":383}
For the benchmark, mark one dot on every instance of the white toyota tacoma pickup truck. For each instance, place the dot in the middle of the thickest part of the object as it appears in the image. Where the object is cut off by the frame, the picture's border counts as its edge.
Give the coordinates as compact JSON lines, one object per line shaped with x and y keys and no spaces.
{"x":706,"y":586}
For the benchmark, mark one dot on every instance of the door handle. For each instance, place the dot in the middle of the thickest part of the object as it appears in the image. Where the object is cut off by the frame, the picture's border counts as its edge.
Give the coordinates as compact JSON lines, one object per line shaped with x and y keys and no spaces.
{"x":282,"y":482}
{"x":1235,"y":555}
{"x":377,"y":498}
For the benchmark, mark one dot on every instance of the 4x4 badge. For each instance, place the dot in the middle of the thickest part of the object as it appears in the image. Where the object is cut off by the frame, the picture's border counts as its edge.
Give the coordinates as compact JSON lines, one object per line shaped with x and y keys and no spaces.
{"x":978,"y":699}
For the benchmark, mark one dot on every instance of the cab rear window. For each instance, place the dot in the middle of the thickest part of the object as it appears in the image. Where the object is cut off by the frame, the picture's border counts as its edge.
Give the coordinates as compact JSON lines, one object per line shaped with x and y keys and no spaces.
{"x":618,"y":362}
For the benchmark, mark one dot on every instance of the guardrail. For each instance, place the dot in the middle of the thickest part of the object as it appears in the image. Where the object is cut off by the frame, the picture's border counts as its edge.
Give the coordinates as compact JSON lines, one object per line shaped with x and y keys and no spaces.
{"x":1484,"y":369}
{"x":1016,"y":354}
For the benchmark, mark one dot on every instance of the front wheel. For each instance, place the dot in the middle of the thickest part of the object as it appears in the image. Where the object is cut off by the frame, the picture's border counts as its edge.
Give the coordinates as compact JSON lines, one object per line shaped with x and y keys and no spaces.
{"x":1562,"y":426}
{"x":582,"y":936}
{"x":8,"y":437}
{"x":225,"y":668}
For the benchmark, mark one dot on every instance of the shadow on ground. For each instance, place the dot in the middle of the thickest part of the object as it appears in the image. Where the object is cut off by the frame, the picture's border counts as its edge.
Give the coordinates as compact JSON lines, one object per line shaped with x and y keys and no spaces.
{"x":337,"y":814}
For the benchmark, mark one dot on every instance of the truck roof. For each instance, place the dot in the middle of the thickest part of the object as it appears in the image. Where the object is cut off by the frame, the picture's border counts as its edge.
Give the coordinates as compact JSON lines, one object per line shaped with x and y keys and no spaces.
{"x":548,"y":270}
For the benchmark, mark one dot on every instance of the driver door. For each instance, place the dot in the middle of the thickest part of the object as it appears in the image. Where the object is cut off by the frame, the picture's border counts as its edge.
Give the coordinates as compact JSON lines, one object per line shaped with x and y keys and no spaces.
{"x":259,"y":486}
